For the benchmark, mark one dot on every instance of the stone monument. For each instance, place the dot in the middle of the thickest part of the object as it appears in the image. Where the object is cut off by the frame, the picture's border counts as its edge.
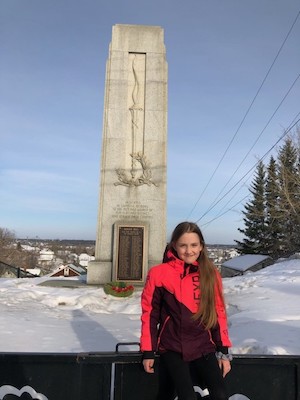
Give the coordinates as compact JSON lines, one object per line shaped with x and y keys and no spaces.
{"x":131,"y":230}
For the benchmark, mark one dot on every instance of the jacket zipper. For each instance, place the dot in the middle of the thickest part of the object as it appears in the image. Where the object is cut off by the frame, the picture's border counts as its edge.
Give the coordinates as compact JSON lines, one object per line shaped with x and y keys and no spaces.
{"x":161,"y":331}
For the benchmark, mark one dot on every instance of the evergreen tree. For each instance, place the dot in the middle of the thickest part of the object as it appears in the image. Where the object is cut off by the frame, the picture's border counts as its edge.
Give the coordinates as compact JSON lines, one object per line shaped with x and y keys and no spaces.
{"x":289,"y":196}
{"x":255,"y":217}
{"x":274,"y":232}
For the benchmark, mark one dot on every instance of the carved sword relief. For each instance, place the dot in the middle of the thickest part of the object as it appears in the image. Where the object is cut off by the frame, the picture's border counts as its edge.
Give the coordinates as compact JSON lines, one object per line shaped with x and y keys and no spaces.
{"x":140,"y":172}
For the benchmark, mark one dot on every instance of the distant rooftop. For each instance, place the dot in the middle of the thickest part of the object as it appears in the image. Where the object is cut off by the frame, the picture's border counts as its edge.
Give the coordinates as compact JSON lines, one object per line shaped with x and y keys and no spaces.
{"x":243,"y":263}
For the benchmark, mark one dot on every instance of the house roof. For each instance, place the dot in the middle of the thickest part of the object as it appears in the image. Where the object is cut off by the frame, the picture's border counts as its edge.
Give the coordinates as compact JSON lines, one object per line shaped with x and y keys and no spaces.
{"x":80,"y":270}
{"x":242,"y":263}
{"x":77,"y":268}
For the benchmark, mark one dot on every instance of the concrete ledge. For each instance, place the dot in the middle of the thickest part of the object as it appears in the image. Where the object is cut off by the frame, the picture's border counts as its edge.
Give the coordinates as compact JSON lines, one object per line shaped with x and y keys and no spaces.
{"x":99,"y":272}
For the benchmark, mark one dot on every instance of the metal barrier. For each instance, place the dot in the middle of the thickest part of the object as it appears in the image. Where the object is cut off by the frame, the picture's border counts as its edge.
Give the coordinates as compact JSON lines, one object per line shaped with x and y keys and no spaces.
{"x":120,"y":376}
{"x":14,"y":271}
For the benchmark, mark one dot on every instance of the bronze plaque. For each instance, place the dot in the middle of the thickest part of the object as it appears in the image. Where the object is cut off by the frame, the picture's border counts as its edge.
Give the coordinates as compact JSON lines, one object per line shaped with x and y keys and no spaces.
{"x":130,"y":253}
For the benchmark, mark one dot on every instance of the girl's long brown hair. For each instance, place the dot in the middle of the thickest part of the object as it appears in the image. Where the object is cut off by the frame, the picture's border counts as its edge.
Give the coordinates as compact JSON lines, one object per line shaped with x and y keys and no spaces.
{"x":207,"y":277}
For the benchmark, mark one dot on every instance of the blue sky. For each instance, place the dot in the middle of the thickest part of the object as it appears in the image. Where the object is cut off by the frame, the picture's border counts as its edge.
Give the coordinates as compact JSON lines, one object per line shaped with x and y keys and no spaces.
{"x":52,"y":72}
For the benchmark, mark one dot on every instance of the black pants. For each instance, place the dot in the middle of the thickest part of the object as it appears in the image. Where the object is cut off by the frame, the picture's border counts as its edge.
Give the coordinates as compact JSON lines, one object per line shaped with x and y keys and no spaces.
{"x":176,"y":377}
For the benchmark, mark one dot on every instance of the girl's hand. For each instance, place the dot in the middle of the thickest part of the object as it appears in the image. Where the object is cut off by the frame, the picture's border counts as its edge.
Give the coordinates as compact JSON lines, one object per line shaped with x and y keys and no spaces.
{"x":148,"y":366}
{"x":224,"y":366}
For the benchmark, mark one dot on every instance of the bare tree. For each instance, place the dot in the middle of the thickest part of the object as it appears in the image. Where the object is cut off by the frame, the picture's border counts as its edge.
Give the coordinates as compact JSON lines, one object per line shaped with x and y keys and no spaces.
{"x":11,"y":251}
{"x":7,"y":245}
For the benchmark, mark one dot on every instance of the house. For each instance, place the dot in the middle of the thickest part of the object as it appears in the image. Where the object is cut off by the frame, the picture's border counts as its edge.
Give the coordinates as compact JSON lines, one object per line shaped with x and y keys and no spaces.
{"x":242,"y":264}
{"x":46,"y":257}
{"x":231,"y":253}
{"x":68,"y":270}
{"x":84,"y":259}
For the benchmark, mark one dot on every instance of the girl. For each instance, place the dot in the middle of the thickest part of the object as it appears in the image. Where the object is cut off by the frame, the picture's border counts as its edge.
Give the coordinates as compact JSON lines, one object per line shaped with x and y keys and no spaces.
{"x":184,"y":319}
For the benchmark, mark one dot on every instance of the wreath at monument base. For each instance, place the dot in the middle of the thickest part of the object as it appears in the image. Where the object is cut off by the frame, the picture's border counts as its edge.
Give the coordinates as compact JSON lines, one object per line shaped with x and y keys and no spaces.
{"x":118,"y":289}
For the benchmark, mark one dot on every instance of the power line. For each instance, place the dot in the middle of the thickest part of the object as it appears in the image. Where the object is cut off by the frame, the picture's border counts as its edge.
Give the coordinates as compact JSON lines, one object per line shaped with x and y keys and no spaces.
{"x":225,"y":212}
{"x":253,"y":167}
{"x":246,"y":114}
{"x":265,"y":127}
{"x":291,"y":126}
{"x":232,"y":197}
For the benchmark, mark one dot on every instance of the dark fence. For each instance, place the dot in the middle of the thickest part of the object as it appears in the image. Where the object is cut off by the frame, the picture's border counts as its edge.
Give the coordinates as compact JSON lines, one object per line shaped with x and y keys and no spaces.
{"x":119,"y":376}
{"x":11,"y":271}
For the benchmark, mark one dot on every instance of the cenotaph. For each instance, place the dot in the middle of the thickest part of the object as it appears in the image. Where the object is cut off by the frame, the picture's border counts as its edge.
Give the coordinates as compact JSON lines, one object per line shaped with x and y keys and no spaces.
{"x":131,"y":228}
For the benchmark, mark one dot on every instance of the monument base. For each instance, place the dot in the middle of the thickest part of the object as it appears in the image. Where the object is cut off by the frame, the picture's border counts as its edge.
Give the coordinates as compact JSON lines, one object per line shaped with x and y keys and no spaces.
{"x":152,"y":263}
{"x":99,"y":272}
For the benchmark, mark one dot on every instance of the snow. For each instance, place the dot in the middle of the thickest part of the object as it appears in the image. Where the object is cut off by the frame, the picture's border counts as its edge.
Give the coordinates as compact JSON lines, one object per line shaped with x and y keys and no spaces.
{"x":242,"y":263}
{"x":263,"y":314}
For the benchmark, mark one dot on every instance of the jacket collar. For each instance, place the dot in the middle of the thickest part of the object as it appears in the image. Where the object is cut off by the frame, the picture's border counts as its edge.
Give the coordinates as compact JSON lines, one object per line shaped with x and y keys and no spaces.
{"x":177,"y":263}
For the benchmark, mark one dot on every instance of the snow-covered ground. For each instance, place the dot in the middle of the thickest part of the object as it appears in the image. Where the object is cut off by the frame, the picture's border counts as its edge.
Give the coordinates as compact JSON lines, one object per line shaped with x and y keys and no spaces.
{"x":263,"y":312}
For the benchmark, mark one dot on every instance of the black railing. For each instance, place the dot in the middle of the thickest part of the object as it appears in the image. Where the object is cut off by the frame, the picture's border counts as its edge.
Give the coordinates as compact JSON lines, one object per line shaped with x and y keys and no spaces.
{"x":14,"y":271}
{"x":119,"y":376}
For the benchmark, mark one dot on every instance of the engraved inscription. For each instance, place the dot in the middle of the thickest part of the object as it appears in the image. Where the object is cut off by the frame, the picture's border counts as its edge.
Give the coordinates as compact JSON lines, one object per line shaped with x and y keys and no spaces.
{"x":132,"y":210}
{"x":130,"y":253}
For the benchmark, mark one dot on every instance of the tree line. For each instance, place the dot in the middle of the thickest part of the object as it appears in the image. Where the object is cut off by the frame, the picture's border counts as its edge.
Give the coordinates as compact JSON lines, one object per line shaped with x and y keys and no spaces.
{"x":12,"y":252}
{"x":272,"y":215}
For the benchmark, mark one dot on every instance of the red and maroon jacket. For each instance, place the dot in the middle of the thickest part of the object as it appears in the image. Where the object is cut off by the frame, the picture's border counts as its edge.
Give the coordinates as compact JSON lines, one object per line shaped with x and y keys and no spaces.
{"x":169,"y":300}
